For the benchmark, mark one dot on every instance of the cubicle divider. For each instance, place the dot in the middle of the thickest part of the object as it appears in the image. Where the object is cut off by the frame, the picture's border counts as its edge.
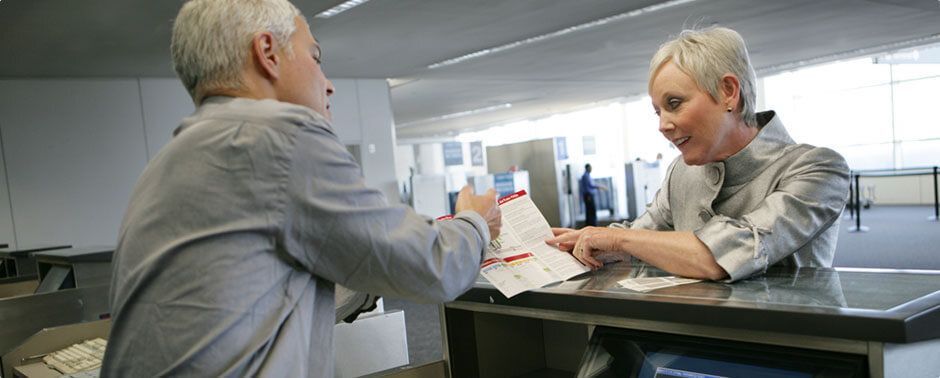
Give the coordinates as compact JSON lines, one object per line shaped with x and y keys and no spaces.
{"x":855,"y":203}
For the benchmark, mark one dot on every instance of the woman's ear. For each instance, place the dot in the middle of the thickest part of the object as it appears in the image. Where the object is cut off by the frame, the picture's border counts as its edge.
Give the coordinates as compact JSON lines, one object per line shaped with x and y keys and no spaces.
{"x":264,"y":53}
{"x":730,"y":88}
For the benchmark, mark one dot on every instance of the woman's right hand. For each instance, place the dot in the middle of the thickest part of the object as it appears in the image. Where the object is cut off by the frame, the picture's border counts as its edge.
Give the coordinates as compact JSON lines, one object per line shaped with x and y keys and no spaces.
{"x":558,"y":231}
{"x":592,"y":246}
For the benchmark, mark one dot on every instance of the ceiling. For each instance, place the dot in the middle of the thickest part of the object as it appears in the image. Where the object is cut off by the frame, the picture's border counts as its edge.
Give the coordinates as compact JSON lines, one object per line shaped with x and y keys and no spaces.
{"x":399,"y":39}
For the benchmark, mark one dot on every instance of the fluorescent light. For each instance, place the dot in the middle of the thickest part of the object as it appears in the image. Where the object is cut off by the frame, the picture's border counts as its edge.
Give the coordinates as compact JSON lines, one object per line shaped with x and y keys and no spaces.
{"x":559,"y":33}
{"x":455,"y":115}
{"x":340,"y":8}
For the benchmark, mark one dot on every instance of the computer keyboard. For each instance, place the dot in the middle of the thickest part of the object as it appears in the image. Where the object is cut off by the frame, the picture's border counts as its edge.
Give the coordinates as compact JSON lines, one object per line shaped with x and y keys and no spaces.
{"x":80,"y":357}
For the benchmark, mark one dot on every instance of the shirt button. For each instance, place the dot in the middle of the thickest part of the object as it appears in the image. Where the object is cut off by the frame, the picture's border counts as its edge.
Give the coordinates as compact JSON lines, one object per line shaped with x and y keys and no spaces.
{"x":705,"y":216}
{"x":716,"y":176}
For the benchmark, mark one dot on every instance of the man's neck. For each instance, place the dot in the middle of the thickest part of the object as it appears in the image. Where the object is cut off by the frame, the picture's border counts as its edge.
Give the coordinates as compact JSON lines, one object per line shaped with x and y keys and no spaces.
{"x":252,"y":88}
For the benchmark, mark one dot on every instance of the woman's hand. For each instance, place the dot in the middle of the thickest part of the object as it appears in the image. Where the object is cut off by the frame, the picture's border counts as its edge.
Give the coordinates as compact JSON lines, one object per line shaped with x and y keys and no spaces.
{"x":568,"y":246}
{"x":590,"y":245}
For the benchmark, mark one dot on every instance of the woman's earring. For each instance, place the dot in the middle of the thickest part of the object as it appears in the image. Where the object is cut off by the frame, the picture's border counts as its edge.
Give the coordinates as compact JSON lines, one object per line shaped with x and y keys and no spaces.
{"x":730,"y":109}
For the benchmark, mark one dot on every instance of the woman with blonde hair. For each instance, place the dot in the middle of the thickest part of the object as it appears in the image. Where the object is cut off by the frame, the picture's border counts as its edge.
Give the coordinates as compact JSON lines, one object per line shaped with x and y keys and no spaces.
{"x":743,"y":196}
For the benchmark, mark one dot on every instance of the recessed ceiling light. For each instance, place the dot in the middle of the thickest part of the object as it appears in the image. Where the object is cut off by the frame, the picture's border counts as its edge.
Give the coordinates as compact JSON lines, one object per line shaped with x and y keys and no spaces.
{"x":559,"y":33}
{"x":340,"y":8}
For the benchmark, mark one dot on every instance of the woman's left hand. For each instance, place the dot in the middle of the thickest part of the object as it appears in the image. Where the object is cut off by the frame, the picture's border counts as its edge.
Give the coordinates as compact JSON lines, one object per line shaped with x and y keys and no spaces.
{"x":590,"y":245}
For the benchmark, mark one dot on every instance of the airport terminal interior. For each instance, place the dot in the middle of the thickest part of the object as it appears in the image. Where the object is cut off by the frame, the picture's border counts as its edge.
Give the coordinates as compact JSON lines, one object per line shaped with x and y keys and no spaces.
{"x":517,"y":96}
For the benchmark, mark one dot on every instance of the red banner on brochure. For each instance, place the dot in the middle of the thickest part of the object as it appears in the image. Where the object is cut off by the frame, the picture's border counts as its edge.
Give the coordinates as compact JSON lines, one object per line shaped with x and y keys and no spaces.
{"x":488,"y":262}
{"x":518,"y":257}
{"x":512,"y":197}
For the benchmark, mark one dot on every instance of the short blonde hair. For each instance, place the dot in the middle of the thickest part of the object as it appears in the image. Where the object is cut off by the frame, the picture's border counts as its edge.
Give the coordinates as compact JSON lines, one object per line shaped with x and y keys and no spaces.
{"x":708,"y":54}
{"x":212,"y":38}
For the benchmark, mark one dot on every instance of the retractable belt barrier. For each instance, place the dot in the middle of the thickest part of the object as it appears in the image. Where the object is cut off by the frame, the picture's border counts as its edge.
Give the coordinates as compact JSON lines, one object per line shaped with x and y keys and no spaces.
{"x":855,"y":203}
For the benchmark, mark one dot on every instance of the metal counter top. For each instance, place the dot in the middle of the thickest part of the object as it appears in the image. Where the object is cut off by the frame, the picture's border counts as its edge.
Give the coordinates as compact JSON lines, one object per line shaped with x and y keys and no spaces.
{"x":861,"y":304}
{"x":79,"y":254}
{"x":28,"y":250}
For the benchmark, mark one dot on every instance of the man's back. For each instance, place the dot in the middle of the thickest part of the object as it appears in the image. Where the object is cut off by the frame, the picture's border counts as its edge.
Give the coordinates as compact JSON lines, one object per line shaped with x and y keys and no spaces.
{"x":235,"y":234}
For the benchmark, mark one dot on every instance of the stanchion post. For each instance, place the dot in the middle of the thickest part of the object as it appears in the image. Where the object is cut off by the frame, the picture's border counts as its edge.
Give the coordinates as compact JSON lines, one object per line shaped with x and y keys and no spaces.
{"x":851,"y":196}
{"x":936,"y":200}
{"x":858,"y":209}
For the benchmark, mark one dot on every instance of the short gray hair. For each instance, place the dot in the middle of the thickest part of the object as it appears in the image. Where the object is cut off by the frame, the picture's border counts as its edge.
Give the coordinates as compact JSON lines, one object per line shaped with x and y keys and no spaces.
{"x":708,"y":54}
{"x":212,"y":39}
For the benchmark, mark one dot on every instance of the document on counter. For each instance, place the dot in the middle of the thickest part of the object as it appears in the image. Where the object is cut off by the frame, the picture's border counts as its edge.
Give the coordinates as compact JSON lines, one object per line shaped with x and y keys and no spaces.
{"x":645,"y":284}
{"x":519,"y":260}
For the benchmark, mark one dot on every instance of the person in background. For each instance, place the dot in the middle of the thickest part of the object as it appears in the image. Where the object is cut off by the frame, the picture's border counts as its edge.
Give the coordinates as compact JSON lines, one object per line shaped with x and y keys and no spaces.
{"x":743,"y":196}
{"x":239,"y":229}
{"x":589,"y":195}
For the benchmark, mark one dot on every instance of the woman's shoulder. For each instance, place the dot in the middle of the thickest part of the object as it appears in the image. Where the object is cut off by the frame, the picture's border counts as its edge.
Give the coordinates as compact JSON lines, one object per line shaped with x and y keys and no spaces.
{"x":801,"y":154}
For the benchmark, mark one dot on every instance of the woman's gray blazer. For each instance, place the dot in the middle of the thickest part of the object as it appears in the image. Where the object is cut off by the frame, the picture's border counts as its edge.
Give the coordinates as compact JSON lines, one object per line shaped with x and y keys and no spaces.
{"x":775,"y":202}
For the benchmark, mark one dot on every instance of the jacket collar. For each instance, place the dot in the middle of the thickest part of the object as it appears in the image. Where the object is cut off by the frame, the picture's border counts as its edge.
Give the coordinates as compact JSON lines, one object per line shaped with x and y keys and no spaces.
{"x":760,"y":153}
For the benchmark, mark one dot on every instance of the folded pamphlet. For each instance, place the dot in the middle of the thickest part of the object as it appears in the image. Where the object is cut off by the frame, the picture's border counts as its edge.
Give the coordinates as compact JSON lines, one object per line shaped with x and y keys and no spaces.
{"x":519,"y":260}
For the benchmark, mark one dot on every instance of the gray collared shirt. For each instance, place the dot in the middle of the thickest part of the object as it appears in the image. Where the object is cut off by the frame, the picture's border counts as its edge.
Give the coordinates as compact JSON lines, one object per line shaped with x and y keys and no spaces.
{"x":773,"y":202}
{"x":236,"y":233}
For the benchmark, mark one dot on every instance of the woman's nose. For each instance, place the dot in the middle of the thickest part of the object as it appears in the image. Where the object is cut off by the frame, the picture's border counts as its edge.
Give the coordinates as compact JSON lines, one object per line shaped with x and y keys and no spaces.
{"x":665,"y":124}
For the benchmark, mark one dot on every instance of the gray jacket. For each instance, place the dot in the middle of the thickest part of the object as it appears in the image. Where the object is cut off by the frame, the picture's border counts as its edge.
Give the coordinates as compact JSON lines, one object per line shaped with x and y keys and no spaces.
{"x":236,"y":233}
{"x":773,"y":202}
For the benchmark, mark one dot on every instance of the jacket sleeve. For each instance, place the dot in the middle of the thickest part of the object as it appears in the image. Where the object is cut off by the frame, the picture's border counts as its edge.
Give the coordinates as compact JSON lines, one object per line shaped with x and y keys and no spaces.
{"x":808,"y":199}
{"x":342,"y":231}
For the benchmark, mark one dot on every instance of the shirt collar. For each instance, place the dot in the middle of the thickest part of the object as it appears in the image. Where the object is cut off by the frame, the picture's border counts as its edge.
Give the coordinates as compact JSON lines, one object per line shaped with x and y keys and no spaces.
{"x":262,"y":111}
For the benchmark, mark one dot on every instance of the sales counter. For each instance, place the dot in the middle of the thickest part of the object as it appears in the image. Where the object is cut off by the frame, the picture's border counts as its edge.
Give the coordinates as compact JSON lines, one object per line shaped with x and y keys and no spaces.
{"x":808,"y":322}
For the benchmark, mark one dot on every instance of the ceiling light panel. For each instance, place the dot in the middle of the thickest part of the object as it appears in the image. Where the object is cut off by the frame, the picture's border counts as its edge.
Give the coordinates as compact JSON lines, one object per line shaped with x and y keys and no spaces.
{"x":345,"y":6}
{"x":562,"y":32}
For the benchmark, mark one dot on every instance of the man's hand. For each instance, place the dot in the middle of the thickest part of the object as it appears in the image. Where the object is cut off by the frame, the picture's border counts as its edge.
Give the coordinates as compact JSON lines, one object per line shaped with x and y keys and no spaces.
{"x":485,"y":205}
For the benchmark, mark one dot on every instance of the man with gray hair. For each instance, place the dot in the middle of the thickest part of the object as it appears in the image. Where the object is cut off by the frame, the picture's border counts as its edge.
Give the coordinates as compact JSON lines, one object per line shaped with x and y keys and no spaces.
{"x":238,"y":230}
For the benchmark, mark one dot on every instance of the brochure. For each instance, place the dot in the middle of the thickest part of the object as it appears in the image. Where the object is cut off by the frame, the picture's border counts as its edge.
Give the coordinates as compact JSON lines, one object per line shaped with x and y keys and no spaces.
{"x":519,"y":260}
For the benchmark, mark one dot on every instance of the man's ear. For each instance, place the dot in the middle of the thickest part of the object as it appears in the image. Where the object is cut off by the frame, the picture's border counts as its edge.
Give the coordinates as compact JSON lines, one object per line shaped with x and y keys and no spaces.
{"x":264,"y":53}
{"x":730,"y":88}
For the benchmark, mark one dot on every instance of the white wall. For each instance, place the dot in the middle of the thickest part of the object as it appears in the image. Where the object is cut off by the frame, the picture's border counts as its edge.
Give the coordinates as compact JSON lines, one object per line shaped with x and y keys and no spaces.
{"x":378,"y":136}
{"x":165,"y":103}
{"x":71,"y":150}
{"x":902,"y":190}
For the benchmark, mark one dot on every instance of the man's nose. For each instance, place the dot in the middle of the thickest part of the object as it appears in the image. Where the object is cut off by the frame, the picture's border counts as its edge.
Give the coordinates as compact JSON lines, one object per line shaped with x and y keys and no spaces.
{"x":329,"y":88}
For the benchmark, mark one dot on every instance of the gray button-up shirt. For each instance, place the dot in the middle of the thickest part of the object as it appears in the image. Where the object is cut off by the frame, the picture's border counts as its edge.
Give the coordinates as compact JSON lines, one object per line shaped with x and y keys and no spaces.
{"x":236,"y":233}
{"x":773,"y":202}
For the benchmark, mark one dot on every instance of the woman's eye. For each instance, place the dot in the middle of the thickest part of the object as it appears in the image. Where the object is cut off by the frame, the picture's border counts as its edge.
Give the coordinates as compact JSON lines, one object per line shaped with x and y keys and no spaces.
{"x":674,"y":103}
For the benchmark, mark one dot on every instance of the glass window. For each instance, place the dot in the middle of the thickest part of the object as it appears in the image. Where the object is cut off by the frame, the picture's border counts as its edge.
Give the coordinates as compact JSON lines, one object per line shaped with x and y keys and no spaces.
{"x":915,"y":104}
{"x":873,"y":110}
{"x":919,"y":153}
{"x":902,"y":72}
{"x":644,"y":141}
{"x":918,"y":63}
{"x":833,"y":76}
{"x":841,"y":117}
{"x":869,"y":156}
